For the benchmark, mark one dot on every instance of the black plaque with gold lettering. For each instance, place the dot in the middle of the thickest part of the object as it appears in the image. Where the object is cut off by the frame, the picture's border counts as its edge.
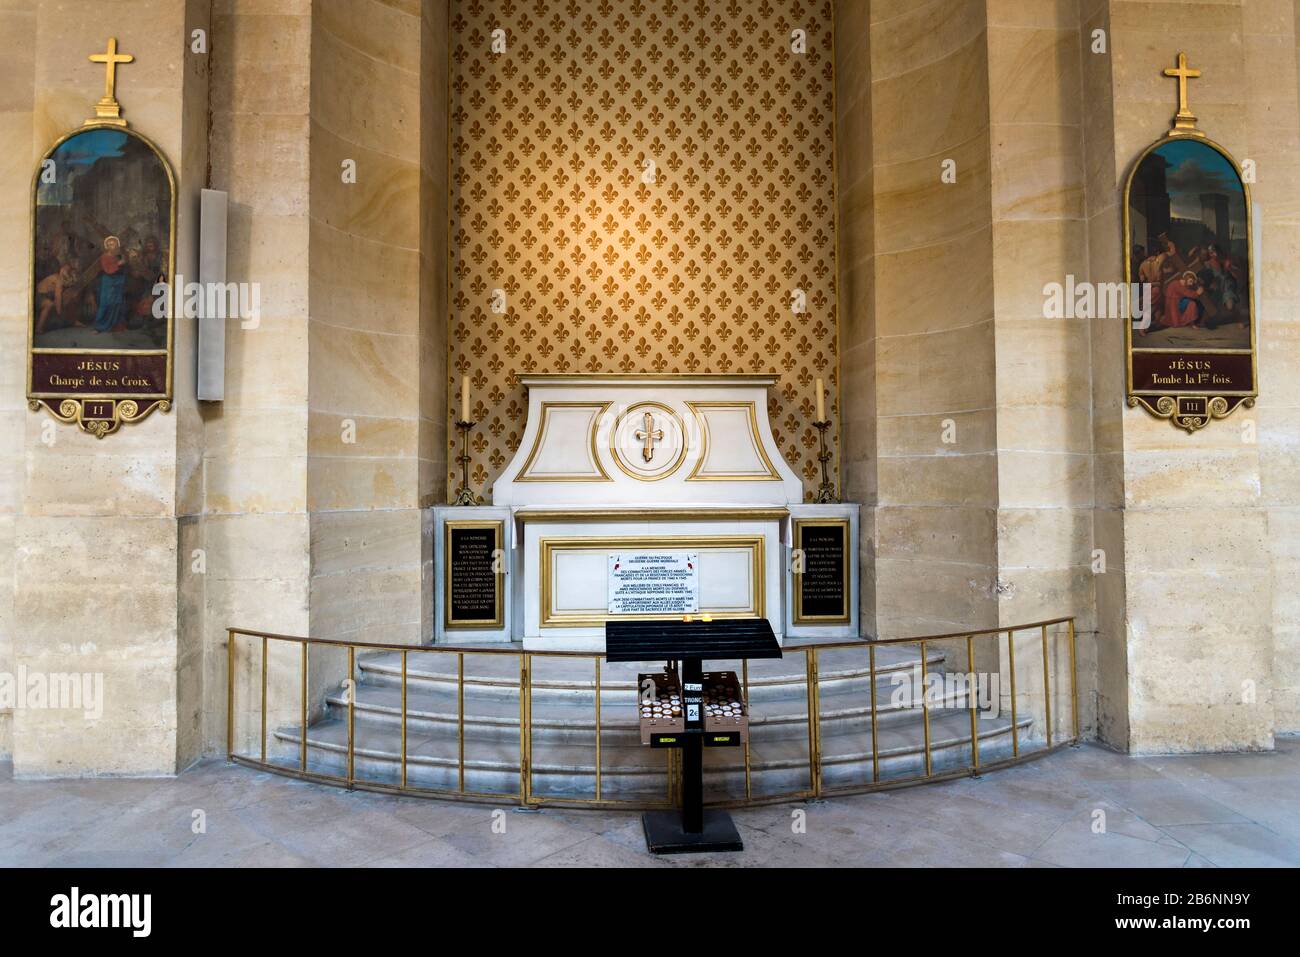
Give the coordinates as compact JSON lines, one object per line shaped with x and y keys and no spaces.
{"x":472,"y":573}
{"x":822,"y":586}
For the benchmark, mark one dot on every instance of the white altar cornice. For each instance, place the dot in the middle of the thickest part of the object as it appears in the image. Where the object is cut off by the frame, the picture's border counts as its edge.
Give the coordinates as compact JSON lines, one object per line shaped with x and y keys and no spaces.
{"x":653,"y":441}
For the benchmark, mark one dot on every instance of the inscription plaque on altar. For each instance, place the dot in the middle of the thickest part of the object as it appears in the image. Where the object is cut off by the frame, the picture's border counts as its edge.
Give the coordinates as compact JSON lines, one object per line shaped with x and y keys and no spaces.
{"x":822,"y":586}
{"x":473,"y":575}
{"x":654,"y":583}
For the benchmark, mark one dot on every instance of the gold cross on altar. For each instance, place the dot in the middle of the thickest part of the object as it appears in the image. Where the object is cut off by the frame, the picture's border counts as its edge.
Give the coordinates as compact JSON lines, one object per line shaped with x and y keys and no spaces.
{"x":649,"y":434}
{"x":108,"y":110}
{"x":1185,"y":119}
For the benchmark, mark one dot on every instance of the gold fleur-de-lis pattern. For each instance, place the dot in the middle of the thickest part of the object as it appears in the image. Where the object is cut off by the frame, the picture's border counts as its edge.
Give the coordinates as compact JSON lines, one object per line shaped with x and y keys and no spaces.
{"x":641,"y":186}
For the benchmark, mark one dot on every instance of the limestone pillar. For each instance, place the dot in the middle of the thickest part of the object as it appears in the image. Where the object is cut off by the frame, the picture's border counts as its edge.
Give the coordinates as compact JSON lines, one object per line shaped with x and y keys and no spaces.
{"x":1194,"y":639}
{"x":97,"y":524}
{"x":17,"y":103}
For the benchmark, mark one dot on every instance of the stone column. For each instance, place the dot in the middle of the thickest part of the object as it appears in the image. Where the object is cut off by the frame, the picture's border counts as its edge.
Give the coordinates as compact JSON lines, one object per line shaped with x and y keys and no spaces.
{"x":17,"y":75}
{"x":934,"y":351}
{"x":96,"y":555}
{"x":1188,"y":625}
{"x":1041,"y":368}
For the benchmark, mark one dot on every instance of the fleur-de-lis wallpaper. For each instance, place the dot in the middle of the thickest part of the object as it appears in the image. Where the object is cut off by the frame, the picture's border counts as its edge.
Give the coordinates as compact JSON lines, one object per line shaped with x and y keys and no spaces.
{"x":641,"y":186}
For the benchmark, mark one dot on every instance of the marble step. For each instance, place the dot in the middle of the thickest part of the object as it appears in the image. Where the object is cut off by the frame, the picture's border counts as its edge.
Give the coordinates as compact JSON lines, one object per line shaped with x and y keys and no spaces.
{"x":776,"y":766}
{"x":430,"y":711}
{"x":498,"y":675}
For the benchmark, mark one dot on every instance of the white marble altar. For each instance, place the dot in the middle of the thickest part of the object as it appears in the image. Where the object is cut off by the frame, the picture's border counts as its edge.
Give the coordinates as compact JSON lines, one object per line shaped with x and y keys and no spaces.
{"x":613,"y":465}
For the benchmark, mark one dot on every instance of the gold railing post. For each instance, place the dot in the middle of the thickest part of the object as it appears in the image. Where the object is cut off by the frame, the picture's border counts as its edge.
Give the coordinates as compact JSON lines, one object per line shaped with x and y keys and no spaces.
{"x":1074,"y":683}
{"x":597,"y":660}
{"x":264,"y":699}
{"x":971,"y":695}
{"x":302,"y":715}
{"x":814,"y":754}
{"x":1011,"y":667}
{"x":744,"y":690}
{"x":925,"y":712}
{"x":460,"y":719}
{"x":816,"y":788}
{"x":875,"y":750}
{"x":1047,"y":689}
{"x":230,"y":692}
{"x":404,"y":719}
{"x":525,"y":729}
{"x":352,"y":713}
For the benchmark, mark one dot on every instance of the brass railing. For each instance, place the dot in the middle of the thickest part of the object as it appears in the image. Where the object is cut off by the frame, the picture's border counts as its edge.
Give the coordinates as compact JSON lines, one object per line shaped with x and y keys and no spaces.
{"x":816,"y":785}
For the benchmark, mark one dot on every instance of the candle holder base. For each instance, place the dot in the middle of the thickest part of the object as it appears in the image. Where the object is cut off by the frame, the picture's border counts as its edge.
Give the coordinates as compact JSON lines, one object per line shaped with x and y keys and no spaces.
{"x":466,"y":495}
{"x":826,"y":491}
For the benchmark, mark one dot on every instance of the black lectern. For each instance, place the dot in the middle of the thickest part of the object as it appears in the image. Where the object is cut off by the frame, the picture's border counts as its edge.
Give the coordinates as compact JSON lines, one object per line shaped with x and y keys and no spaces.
{"x":691,"y":642}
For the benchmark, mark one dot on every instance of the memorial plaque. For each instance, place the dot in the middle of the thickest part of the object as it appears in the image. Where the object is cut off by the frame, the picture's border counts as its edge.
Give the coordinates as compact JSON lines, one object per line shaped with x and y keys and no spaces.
{"x":821,"y":590}
{"x":472,"y":573}
{"x":654,"y":583}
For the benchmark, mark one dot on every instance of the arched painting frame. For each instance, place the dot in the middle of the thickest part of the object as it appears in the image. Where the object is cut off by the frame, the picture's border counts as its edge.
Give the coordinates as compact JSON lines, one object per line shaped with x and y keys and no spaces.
{"x":1188,"y":238}
{"x":101,"y":332}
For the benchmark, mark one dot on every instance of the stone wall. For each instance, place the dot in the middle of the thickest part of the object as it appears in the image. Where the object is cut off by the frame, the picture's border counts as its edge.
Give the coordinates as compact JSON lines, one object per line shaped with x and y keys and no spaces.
{"x":17,"y":102}
{"x":97,"y":529}
{"x":255,"y":521}
{"x":1198,"y":611}
{"x":1269,"y":37}
{"x":364,"y":332}
{"x":991,"y":447}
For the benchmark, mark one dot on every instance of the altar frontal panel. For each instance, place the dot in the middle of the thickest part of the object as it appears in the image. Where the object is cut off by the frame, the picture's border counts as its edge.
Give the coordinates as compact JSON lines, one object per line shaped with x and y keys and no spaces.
{"x":575,"y":578}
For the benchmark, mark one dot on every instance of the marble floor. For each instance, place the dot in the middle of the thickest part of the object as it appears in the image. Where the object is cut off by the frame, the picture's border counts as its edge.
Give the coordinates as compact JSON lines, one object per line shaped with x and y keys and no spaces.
{"x":1081,"y":807}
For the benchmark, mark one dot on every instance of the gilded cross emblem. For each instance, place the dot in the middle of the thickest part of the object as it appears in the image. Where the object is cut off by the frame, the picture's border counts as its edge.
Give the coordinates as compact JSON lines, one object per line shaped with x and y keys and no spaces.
{"x":108,"y":110}
{"x":1185,"y":119}
{"x":649,"y":435}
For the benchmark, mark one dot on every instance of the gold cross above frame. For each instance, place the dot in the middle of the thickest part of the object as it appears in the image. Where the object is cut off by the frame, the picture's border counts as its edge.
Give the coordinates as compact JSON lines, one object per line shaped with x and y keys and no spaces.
{"x":649,"y":434}
{"x":108,"y":110}
{"x":1184,"y":119}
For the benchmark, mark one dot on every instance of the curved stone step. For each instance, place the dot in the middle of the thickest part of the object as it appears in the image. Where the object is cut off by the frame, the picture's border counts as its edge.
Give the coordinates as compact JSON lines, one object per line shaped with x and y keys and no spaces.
{"x":635,"y":771}
{"x":431,"y":711}
{"x":498,"y":675}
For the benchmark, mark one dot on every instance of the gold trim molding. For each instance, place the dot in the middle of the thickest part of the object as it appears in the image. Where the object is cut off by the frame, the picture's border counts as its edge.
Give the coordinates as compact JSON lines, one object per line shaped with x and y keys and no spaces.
{"x":103,"y":414}
{"x":617,"y":453}
{"x":578,"y":515}
{"x":799,"y":618}
{"x":498,"y":526}
{"x":696,"y":406}
{"x":599,"y":475}
{"x":548,"y":547}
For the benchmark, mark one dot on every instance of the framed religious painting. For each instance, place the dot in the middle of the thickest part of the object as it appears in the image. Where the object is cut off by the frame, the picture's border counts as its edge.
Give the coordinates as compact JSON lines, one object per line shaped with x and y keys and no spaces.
{"x":100,"y":343}
{"x":1189,"y":259}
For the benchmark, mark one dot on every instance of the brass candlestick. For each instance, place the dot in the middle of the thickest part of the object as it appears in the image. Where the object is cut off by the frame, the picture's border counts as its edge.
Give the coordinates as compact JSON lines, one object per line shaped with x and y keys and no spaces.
{"x":466,"y":496}
{"x":826,"y":491}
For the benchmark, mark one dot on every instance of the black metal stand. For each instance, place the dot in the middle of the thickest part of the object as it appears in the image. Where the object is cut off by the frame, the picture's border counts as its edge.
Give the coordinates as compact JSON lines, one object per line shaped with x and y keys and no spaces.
{"x":694,"y":830}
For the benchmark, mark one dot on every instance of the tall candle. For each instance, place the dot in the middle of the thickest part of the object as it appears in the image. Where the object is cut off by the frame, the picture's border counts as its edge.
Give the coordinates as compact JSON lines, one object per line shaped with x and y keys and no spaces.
{"x":464,"y":398}
{"x":821,"y":402}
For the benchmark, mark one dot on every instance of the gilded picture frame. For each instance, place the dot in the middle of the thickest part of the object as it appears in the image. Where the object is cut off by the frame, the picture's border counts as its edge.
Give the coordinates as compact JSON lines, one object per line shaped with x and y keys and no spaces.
{"x":98,"y":353}
{"x":1191,"y":342}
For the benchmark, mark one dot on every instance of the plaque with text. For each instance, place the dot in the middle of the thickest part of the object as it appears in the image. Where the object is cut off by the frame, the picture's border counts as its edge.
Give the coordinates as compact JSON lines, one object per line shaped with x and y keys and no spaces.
{"x":821,"y":579}
{"x":654,"y":583}
{"x":473,"y":574}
